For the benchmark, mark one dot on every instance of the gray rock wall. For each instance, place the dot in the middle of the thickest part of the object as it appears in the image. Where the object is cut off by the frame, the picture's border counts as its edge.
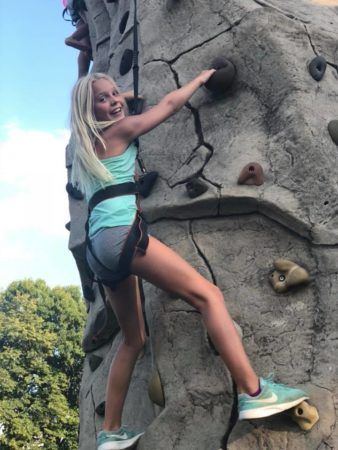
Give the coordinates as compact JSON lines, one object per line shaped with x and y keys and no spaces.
{"x":277,"y":115}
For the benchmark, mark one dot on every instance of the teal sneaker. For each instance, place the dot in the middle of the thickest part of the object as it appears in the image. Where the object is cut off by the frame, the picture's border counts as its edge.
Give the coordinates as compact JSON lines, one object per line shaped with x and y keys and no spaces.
{"x":116,"y":440}
{"x":273,"y":399}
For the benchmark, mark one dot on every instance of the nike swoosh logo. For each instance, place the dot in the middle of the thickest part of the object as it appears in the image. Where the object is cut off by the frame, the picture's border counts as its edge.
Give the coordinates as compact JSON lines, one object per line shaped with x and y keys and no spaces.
{"x":271,"y":399}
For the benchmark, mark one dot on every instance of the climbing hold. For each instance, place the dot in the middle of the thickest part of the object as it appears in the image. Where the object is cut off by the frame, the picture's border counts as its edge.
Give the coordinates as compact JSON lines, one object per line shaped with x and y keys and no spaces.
{"x":317,"y":67}
{"x":333,"y":130}
{"x":101,"y":331}
{"x":67,"y":226}
{"x":88,"y":293}
{"x":251,"y":174}
{"x":123,"y":22}
{"x":146,"y":182}
{"x":135,"y":105}
{"x":74,"y":192}
{"x":100,"y":409}
{"x":196,"y":187}
{"x":305,"y":415}
{"x":126,"y":61}
{"x":287,"y":275}
{"x":224,"y":76}
{"x":155,"y":389}
{"x":94,"y":362}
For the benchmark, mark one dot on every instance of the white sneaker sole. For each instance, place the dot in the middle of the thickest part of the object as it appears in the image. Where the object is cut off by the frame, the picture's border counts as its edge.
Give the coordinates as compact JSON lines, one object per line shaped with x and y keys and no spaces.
{"x":266,"y":411}
{"x":119,"y":445}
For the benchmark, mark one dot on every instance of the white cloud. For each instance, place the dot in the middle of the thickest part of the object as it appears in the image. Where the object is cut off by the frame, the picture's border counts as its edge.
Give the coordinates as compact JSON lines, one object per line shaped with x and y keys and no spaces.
{"x":32,"y":181}
{"x":34,"y":206}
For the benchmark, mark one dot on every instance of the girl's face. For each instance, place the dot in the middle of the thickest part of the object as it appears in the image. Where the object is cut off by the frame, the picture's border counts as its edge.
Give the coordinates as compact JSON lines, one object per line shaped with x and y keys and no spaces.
{"x":108,"y":103}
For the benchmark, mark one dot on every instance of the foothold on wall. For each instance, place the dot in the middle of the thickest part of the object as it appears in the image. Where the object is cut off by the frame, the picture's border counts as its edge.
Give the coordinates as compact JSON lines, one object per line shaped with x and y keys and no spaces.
{"x":126,"y":61}
{"x":251,"y":174}
{"x":74,"y":192}
{"x":224,"y":76}
{"x":333,"y":130}
{"x":287,"y":275}
{"x":317,"y":67}
{"x":155,"y":389}
{"x":123,"y":22}
{"x":102,"y":330}
{"x":67,"y":226}
{"x":100,"y":409}
{"x":146,"y":182}
{"x":195,"y":187}
{"x":94,"y":362}
{"x":171,"y":4}
{"x":305,"y":415}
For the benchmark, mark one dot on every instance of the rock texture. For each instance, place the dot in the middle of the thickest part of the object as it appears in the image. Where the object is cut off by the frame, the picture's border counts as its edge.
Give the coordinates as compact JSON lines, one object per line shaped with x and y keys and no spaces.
{"x":276,"y":114}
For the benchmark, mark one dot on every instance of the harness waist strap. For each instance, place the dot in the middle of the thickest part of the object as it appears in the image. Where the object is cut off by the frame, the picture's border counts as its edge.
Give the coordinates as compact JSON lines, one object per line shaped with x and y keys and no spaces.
{"x":112,"y":191}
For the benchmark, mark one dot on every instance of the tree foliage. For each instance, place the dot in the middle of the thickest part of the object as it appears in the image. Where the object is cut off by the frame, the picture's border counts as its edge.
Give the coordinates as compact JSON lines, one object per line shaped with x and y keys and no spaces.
{"x":40,"y":365}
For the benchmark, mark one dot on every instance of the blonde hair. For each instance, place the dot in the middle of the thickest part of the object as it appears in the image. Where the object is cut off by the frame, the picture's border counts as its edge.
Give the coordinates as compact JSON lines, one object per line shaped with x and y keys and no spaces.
{"x":86,"y":132}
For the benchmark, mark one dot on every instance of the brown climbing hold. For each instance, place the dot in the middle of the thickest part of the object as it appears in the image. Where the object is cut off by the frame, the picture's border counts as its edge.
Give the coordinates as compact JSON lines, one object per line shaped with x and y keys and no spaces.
{"x":251,"y":174}
{"x":333,"y":130}
{"x":305,"y":415}
{"x":287,"y":275}
{"x":224,"y":76}
{"x":155,"y":389}
{"x":101,"y":331}
{"x":94,"y":362}
{"x":196,"y":187}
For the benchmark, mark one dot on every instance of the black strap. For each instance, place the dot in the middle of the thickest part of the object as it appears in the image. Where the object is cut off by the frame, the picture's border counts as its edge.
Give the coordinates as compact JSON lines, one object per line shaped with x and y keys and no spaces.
{"x":112,"y":191}
{"x":233,"y":417}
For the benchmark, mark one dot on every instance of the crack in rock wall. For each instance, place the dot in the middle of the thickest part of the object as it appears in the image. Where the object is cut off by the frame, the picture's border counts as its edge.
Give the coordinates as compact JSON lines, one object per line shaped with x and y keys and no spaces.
{"x":275,"y":114}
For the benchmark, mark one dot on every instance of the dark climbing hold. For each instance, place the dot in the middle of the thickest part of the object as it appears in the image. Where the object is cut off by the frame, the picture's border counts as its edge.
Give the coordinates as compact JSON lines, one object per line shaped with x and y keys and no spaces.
{"x":67,"y":226}
{"x":135,"y":105}
{"x":74,"y":192}
{"x":126,"y":61}
{"x":100,"y":409}
{"x":317,"y":67}
{"x":333,"y":130}
{"x":102,"y":330}
{"x":146,"y":182}
{"x":196,"y":187}
{"x":123,"y":22}
{"x":88,"y":293}
{"x":251,"y":174}
{"x":94,"y":362}
{"x":224,"y":76}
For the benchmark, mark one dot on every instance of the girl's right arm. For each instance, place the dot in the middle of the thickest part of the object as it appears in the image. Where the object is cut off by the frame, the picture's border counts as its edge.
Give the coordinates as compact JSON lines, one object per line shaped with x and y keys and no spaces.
{"x":133,"y":126}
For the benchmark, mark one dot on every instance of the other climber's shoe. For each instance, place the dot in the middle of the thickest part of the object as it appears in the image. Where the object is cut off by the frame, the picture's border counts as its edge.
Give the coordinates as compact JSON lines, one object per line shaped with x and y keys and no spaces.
{"x":116,"y":440}
{"x":273,"y":399}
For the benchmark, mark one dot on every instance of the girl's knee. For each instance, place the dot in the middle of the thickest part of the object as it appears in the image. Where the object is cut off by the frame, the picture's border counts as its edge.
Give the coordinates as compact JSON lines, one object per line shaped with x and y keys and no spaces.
{"x":205,"y":295}
{"x":134,"y":343}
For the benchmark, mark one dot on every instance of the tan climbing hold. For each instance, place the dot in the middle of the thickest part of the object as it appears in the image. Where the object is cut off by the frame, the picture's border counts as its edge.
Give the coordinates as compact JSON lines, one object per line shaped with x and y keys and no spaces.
{"x":305,"y":415}
{"x":287,"y":275}
{"x":155,"y":389}
{"x":251,"y":174}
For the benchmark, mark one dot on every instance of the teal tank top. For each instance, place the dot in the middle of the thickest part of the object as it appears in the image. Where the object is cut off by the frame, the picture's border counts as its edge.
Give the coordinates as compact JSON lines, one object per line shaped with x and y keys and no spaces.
{"x":116,"y":211}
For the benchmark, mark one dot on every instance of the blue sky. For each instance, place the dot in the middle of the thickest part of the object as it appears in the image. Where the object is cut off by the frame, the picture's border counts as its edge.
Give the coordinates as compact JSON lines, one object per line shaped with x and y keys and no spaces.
{"x":36,"y":77}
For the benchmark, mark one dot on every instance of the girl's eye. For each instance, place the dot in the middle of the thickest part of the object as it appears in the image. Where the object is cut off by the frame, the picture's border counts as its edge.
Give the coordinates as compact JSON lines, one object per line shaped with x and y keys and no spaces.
{"x":115,"y":93}
{"x":102,"y":99}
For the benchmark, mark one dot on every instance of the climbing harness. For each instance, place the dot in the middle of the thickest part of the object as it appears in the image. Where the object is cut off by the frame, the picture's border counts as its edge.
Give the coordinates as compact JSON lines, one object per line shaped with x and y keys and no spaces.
{"x":137,"y":239}
{"x":147,"y":180}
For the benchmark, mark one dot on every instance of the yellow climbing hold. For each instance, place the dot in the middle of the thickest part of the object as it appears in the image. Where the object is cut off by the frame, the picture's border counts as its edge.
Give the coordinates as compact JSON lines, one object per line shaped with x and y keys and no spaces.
{"x":287,"y":275}
{"x":155,"y":389}
{"x":305,"y":415}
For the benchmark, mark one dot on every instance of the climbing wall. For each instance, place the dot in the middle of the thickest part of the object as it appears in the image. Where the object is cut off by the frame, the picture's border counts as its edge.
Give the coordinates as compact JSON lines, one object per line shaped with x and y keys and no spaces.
{"x":248,"y":178}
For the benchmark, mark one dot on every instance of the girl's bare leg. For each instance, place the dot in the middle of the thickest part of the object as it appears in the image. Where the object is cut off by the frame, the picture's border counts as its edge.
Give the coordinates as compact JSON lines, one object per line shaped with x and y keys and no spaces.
{"x":164,"y":268}
{"x":126,"y":303}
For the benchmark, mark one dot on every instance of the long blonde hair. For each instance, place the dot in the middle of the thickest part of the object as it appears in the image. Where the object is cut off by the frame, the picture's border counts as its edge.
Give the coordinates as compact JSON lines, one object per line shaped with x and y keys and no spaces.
{"x":86,"y":132}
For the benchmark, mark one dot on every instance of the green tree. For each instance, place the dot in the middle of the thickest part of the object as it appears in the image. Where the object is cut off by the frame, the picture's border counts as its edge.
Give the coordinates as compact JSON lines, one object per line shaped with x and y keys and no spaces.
{"x":40,"y":365}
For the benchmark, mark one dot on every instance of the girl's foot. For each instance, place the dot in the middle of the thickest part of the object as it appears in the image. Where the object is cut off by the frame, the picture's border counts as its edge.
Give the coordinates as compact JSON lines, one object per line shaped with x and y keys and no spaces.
{"x":116,"y":440}
{"x":273,"y":399}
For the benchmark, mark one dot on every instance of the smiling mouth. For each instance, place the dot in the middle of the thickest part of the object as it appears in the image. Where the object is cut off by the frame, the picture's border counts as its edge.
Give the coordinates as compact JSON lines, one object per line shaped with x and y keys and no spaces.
{"x":116,"y":111}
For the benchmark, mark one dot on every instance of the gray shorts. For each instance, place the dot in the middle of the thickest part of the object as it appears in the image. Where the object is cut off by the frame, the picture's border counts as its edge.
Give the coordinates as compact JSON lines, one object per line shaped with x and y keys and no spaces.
{"x":107,"y":246}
